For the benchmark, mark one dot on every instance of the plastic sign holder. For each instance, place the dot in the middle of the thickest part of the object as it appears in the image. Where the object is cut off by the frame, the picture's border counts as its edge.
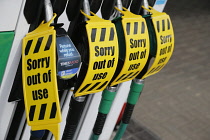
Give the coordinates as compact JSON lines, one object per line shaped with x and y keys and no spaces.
{"x":39,"y":79}
{"x":134,"y":45}
{"x":165,"y":40}
{"x":103,"y":55}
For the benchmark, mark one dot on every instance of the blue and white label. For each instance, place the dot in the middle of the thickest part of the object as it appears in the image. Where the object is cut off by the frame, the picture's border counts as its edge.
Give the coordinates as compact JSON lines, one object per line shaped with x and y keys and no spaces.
{"x":159,"y":2}
{"x":65,"y":47}
{"x":69,"y":59}
{"x":67,"y":74}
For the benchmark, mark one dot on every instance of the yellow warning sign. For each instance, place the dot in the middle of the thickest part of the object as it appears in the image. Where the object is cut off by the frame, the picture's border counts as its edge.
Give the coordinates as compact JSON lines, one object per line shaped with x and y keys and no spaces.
{"x":103,"y":55}
{"x":39,"y":79}
{"x":165,"y":41}
{"x":136,"y":46}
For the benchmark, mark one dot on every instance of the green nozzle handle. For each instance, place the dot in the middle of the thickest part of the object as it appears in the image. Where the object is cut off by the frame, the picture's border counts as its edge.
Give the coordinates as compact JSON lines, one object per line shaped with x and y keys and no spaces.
{"x":120,"y":131}
{"x":106,"y":101}
{"x":108,"y":96}
{"x":94,"y":137}
{"x":134,"y":93}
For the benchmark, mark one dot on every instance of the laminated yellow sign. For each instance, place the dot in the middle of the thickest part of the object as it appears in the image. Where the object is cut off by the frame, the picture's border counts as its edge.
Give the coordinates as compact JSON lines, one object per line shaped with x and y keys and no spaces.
{"x":39,"y":79}
{"x":165,"y":41}
{"x":136,"y":46}
{"x":103,"y":55}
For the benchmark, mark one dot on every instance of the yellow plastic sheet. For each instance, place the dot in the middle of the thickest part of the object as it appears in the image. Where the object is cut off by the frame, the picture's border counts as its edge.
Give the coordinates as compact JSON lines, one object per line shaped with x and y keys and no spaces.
{"x":165,"y":41}
{"x":103,"y":55}
{"x":39,"y":79}
{"x":136,"y":46}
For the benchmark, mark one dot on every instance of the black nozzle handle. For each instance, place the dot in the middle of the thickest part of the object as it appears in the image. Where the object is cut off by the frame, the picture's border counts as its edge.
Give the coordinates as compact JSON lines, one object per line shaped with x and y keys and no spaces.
{"x":107,"y":8}
{"x":95,"y":5}
{"x":136,"y":6}
{"x":128,"y":113}
{"x":151,"y":2}
{"x":73,"y":9}
{"x":32,"y":10}
{"x":75,"y":110}
{"x":58,"y":7}
{"x":126,"y":3}
{"x":99,"y":124}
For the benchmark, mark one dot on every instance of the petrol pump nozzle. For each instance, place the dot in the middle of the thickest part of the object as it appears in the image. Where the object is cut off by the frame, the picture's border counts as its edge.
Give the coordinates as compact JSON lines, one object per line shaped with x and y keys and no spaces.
{"x":137,"y":84}
{"x":109,"y":93}
{"x":94,"y":36}
{"x":68,"y":62}
{"x":37,"y":135}
{"x":77,"y":104}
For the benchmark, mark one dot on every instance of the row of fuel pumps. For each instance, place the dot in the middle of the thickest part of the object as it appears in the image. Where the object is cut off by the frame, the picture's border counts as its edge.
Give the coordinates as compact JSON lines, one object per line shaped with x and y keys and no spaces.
{"x":72,"y":65}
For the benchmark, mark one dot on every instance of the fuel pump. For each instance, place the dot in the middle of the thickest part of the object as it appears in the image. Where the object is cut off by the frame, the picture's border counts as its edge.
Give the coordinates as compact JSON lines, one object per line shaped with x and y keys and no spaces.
{"x":76,"y":105}
{"x":50,"y":61}
{"x":133,"y":54}
{"x":160,"y":26}
{"x":96,"y":41}
{"x":135,"y":7}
